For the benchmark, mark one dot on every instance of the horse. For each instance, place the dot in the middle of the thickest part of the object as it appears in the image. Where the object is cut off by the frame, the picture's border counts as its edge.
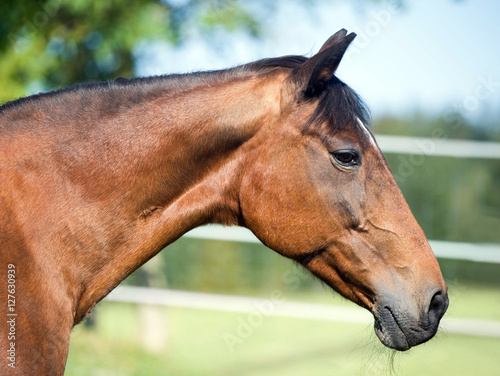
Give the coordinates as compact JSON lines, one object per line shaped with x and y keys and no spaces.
{"x":98,"y":178}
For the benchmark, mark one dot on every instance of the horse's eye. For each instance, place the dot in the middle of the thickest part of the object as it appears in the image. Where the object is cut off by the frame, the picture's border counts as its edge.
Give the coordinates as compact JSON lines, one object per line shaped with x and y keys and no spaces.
{"x":346,"y":158}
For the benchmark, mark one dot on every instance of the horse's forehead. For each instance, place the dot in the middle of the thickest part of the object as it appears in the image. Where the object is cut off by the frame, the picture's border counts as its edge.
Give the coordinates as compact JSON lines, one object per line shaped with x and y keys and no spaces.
{"x":355,"y":130}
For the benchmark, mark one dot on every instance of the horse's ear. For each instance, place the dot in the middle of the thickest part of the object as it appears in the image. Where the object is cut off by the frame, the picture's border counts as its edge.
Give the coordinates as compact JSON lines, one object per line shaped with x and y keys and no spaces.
{"x":311,"y":76}
{"x":333,"y":39}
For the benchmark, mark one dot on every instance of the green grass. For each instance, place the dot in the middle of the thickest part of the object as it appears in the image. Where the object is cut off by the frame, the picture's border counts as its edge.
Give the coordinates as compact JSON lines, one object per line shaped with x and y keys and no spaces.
{"x":197,"y":344}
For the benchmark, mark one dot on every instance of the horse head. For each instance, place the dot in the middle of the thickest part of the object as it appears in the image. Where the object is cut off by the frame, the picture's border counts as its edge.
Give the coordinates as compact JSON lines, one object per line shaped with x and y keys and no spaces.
{"x":318,"y":190}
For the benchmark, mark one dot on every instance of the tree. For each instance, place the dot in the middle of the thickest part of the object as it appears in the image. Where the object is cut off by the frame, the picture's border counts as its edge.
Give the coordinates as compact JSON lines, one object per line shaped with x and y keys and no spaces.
{"x":47,"y":44}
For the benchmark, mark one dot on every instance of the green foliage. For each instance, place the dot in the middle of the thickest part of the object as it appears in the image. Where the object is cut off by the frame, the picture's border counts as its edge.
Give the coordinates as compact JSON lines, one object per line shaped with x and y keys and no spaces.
{"x":55,"y":43}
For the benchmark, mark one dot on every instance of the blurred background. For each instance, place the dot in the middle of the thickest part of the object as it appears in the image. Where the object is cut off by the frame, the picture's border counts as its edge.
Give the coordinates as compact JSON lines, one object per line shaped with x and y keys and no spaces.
{"x":430,"y":72}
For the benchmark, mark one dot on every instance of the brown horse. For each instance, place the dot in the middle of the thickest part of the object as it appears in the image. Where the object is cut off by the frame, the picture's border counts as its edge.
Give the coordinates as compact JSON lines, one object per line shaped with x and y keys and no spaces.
{"x":98,"y":178}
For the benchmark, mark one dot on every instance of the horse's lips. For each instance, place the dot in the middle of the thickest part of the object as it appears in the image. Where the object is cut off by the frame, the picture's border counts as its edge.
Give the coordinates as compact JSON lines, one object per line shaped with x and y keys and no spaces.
{"x":389,"y":332}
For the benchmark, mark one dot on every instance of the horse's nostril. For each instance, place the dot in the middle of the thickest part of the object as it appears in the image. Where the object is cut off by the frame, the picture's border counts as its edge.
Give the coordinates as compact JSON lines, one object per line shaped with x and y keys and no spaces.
{"x":437,"y":307}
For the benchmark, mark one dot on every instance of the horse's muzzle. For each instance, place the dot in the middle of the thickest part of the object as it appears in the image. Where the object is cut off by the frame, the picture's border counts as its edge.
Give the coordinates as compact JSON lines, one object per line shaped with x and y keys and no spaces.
{"x":399,"y":327}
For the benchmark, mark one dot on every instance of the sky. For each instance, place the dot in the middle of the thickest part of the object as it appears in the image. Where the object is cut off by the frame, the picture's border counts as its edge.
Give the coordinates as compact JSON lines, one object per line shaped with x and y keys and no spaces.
{"x":430,"y":56}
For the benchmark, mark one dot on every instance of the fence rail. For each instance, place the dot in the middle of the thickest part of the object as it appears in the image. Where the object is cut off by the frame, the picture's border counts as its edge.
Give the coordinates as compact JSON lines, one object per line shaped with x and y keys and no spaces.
{"x":266,"y":307}
{"x":488,"y":253}
{"x":438,"y":147}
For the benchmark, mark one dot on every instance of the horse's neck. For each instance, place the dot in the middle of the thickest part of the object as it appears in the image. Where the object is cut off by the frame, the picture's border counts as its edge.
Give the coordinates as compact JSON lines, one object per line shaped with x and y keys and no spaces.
{"x":188,"y":175}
